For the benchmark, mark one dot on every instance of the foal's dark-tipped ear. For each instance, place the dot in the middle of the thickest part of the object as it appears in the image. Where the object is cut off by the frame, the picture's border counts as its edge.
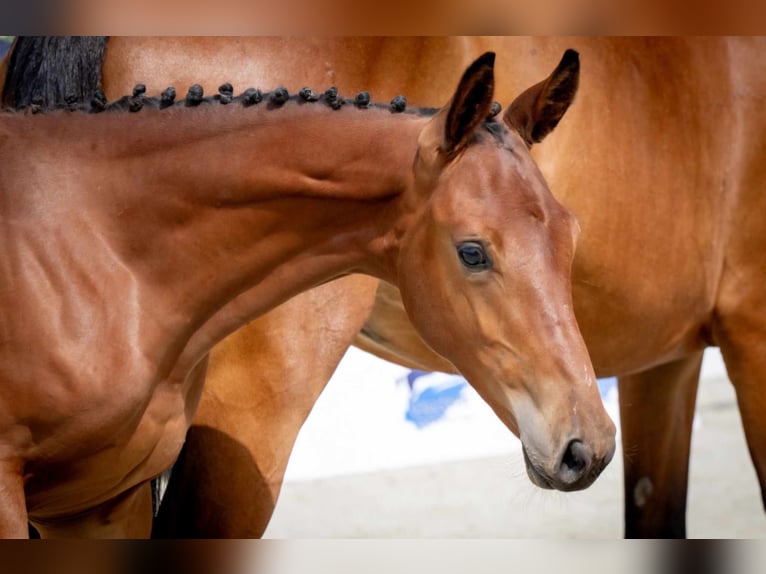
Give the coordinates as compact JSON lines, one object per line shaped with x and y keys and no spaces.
{"x":539,"y":109}
{"x":470,"y":105}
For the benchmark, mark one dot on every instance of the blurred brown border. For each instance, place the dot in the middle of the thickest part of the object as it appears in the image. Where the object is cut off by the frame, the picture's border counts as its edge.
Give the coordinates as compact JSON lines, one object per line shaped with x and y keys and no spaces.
{"x":383,"y":17}
{"x":383,"y":557}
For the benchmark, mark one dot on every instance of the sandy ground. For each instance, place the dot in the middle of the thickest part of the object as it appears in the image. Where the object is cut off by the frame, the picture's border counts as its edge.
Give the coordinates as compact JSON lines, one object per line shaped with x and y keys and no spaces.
{"x":492,"y":497}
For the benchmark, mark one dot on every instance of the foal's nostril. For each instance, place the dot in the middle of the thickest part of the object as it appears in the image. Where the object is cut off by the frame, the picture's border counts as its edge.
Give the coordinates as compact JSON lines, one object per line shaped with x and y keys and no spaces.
{"x":575,"y":457}
{"x":574,"y":463}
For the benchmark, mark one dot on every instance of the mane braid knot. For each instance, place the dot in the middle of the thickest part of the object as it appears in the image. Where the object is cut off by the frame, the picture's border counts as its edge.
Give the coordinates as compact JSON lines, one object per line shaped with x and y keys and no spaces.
{"x":194,"y":96}
{"x":398,"y":104}
{"x":279,"y":97}
{"x":168,"y":97}
{"x":332,"y":99}
{"x":308,"y":95}
{"x":139,"y":90}
{"x":362,"y":100}
{"x":494,"y":110}
{"x":98,"y":103}
{"x":251,"y":96}
{"x":226,"y":93}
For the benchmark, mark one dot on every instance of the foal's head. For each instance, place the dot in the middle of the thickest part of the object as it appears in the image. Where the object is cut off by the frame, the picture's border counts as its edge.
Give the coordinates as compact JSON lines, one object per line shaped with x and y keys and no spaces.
{"x":484,"y":271}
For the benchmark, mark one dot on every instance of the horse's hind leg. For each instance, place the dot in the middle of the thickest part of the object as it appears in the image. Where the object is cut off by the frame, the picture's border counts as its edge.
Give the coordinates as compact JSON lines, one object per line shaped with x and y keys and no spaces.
{"x":742,"y":339}
{"x":656,"y":415}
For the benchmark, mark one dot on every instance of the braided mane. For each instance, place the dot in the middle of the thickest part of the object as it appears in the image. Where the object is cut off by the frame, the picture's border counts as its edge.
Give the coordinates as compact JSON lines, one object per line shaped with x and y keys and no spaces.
{"x":195,"y":97}
{"x":277,"y":98}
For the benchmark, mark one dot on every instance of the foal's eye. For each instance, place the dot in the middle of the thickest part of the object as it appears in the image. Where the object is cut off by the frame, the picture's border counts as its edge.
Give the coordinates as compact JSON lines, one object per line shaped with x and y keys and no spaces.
{"x":473,"y":256}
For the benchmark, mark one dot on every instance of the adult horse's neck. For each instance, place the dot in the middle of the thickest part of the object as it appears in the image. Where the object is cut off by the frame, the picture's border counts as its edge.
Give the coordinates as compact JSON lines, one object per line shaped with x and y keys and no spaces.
{"x":222,"y":213}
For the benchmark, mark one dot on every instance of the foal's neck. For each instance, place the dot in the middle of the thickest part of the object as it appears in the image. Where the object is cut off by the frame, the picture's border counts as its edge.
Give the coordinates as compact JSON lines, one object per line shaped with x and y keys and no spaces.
{"x":240,"y":209}
{"x":226,"y":154}
{"x":313,"y":169}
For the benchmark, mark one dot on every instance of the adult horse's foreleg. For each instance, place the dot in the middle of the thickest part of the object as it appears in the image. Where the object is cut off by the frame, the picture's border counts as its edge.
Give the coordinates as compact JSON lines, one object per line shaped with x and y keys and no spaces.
{"x":13,"y":508}
{"x":261,"y":384}
{"x":128,"y":515}
{"x":656,"y":415}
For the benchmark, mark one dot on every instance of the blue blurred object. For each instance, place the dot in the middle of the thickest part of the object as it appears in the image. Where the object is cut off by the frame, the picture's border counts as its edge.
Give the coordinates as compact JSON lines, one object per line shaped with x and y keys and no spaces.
{"x":4,"y":45}
{"x":414,"y":375}
{"x":606,"y":385}
{"x":429,"y":399}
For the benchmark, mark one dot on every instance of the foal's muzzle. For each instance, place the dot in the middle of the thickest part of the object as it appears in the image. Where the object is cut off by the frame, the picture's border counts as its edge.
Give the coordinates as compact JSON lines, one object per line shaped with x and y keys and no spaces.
{"x":576,"y":468}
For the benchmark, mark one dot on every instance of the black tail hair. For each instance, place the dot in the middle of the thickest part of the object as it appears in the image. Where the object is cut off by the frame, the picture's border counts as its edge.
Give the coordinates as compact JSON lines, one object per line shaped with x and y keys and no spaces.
{"x":53,"y":70}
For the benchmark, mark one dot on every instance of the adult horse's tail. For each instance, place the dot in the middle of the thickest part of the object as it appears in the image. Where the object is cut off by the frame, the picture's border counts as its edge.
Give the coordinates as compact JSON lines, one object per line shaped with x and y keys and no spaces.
{"x":53,"y":69}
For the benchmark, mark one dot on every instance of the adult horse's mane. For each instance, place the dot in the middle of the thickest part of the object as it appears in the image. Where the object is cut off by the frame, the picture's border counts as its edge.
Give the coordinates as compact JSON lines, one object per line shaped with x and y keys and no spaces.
{"x":53,"y":69}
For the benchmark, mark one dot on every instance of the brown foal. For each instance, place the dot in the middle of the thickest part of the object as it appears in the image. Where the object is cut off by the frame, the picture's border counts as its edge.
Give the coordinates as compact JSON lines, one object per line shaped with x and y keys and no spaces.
{"x":135,"y":242}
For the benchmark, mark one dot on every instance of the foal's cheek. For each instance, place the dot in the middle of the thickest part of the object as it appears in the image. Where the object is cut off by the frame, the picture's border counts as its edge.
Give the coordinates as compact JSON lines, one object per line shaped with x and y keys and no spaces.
{"x":429,"y":300}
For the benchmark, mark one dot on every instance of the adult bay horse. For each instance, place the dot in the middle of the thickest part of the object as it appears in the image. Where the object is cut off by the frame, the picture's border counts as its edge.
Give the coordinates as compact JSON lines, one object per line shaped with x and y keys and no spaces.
{"x":133,"y":242}
{"x":660,"y":159}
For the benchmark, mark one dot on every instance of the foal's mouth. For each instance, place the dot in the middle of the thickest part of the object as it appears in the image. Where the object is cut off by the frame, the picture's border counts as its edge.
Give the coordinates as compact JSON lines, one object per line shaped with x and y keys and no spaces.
{"x":581,"y":480}
{"x":537,"y":478}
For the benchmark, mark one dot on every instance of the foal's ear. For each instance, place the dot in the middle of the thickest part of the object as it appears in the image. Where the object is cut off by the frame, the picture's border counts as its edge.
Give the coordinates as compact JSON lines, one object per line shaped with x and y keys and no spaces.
{"x":470,"y":105}
{"x":539,"y":109}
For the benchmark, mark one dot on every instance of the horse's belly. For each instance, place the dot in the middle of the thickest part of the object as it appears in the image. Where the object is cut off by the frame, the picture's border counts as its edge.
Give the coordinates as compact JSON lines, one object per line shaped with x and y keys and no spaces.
{"x":631,"y":328}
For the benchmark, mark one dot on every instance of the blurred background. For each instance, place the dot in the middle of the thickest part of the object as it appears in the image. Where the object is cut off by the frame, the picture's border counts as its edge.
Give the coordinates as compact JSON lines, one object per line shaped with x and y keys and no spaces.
{"x":390,"y":453}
